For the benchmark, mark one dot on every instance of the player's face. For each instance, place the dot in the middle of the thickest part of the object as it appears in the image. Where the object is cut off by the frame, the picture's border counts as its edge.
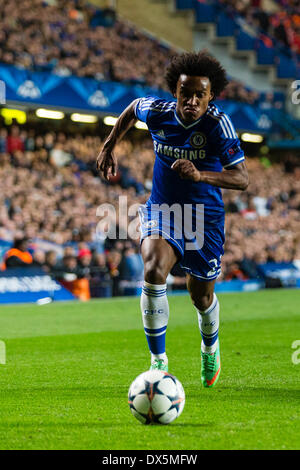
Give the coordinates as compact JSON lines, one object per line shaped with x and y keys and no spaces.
{"x":193,"y":95}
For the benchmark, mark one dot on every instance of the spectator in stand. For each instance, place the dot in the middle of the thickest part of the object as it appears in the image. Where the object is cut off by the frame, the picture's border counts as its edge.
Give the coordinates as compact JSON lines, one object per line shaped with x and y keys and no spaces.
{"x":18,"y":256}
{"x":235,"y":272}
{"x":39,"y":258}
{"x":100,"y":282}
{"x":84,"y":262}
{"x":131,"y":265}
{"x":113,"y":261}
{"x":68,"y":269}
{"x":58,"y":157}
{"x":280,"y":31}
{"x":99,"y":266}
{"x":72,"y":277}
{"x":3,"y":140}
{"x":14,"y":141}
{"x":51,"y":263}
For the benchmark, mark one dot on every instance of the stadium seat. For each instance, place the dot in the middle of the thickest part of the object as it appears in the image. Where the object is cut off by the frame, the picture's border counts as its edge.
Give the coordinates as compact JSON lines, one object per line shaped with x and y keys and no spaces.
{"x":245,"y":41}
{"x":184,"y":4}
{"x":265,"y":55}
{"x":205,"y":13}
{"x":286,"y":67}
{"x":225,"y":25}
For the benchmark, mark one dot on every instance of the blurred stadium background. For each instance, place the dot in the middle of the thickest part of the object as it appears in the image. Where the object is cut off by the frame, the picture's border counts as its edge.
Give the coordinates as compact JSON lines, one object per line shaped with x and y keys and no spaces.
{"x":68,"y":68}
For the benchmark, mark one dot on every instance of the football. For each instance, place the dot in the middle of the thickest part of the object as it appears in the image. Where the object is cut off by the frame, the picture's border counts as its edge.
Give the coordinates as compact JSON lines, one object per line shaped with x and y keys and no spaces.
{"x":157,"y":397}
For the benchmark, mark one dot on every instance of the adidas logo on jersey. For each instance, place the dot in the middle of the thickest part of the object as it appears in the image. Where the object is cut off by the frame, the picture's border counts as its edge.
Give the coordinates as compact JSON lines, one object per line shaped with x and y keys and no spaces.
{"x":161,"y":134}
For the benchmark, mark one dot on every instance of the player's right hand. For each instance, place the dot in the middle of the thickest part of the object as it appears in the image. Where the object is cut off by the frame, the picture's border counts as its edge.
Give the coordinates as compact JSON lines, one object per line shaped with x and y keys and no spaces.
{"x":186,"y":170}
{"x":107,"y":163}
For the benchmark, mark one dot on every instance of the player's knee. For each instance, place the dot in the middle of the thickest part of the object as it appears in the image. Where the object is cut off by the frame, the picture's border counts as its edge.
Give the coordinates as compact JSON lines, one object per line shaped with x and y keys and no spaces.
{"x":154,"y":272}
{"x":201,"y":301}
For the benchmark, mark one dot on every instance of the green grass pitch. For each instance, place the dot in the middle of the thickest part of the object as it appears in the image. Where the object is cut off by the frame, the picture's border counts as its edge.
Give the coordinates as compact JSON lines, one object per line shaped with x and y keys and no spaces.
{"x":69,"y":367}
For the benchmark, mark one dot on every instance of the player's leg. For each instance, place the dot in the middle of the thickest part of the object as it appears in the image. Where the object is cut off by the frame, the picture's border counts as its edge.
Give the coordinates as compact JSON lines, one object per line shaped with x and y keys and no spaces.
{"x":207,"y":306}
{"x":159,"y":257}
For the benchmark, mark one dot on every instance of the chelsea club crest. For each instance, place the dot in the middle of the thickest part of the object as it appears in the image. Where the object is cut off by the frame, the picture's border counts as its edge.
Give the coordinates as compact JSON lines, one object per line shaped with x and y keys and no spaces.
{"x":198,"y":140}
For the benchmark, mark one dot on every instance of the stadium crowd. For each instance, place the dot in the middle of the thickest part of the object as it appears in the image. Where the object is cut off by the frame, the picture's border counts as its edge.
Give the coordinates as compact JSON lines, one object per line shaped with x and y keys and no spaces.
{"x":51,"y":191}
{"x":279,"y":19}
{"x":57,"y":37}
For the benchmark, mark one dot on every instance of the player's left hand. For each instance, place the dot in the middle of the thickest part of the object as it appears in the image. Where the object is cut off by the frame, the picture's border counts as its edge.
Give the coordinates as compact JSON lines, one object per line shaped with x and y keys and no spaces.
{"x":186,"y":170}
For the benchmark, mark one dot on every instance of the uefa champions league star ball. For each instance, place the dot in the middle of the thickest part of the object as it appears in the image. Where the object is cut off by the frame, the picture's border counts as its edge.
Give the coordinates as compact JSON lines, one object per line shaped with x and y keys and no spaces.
{"x":156,"y":396}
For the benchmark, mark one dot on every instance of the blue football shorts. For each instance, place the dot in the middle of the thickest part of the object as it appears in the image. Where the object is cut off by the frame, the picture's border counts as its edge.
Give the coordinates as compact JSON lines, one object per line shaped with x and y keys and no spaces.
{"x":197,"y":237}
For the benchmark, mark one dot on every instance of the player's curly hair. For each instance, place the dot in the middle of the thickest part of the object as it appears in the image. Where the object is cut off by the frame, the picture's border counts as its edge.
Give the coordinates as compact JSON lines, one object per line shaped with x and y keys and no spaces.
{"x":200,"y":64}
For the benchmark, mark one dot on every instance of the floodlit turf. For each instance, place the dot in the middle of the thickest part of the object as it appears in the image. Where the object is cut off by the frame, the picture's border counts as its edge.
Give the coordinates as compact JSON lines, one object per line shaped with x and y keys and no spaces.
{"x":69,"y":367}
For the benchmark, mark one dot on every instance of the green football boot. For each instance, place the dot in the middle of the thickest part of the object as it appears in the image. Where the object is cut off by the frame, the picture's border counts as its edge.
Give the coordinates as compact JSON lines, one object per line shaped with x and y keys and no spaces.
{"x":210,"y":368}
{"x":159,"y":364}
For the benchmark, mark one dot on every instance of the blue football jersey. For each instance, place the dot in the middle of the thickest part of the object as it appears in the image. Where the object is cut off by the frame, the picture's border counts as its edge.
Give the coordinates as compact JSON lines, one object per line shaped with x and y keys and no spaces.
{"x":211,"y":143}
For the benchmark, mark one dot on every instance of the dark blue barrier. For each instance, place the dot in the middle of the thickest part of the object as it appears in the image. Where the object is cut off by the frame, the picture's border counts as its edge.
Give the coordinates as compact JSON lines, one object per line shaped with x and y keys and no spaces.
{"x":280,"y":274}
{"x":130,"y":288}
{"x":30,"y":285}
{"x":86,"y":94}
{"x":75,"y":93}
{"x":46,"y":89}
{"x":239,"y":286}
{"x":245,"y":116}
{"x":231,"y":286}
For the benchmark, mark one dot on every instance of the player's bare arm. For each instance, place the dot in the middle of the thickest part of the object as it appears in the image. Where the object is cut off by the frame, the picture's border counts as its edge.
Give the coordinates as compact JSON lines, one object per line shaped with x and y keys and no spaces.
{"x":235,"y":178}
{"x":106,"y":160}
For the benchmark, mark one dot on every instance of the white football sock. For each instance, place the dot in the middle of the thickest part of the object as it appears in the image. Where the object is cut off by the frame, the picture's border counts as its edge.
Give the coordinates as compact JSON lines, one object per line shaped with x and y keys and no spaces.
{"x":159,"y":356}
{"x":155,"y":314}
{"x":209,"y":326}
